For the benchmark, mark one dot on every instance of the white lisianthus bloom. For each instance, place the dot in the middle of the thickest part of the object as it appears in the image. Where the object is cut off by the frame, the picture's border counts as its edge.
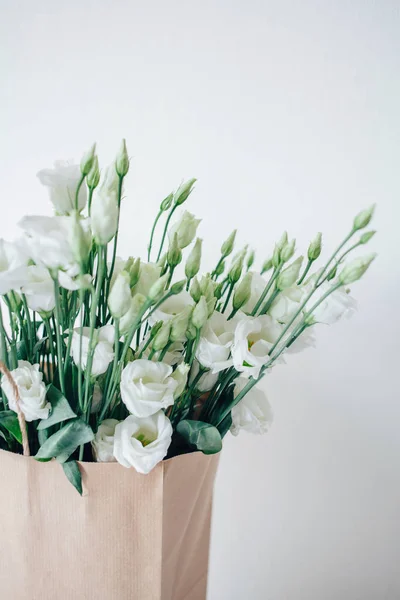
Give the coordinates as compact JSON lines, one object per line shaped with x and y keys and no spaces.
{"x":186,"y":229}
{"x":206,"y":381}
{"x":336,"y":306}
{"x":147,"y":387}
{"x":104,"y":216}
{"x":103,"y":443}
{"x":31,"y":389}
{"x":104,"y":348}
{"x":254,"y":337}
{"x":304,"y":341}
{"x":171,"y":307}
{"x":62,"y":183}
{"x":136,"y":305}
{"x":13,"y":261}
{"x":253,"y":412}
{"x":39,"y":289}
{"x":180,"y":375}
{"x":258,"y":285}
{"x":215,"y":343}
{"x":120,"y":299}
{"x":287,"y":303}
{"x":149,"y":273}
{"x":142,"y":443}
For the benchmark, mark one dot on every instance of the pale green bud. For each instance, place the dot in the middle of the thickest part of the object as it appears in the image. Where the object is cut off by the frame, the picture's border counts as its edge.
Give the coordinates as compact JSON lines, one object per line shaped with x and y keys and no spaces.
{"x":120,"y":299}
{"x":243,"y":291}
{"x":180,"y":375}
{"x":185,"y":229}
{"x":161,"y":339}
{"x":276,"y":257}
{"x":250,"y":259}
{"x":363,"y":218}
{"x":166,"y":203}
{"x":267,"y":266}
{"x":179,"y":324}
{"x":155,"y":329}
{"x":162,"y":262}
{"x":200,"y":313}
{"x":228,"y":245}
{"x":87,"y":160}
{"x":220,"y":269}
{"x":195,"y":290}
{"x":134,"y":272}
{"x":283,"y":241}
{"x":332,"y":273}
{"x":158,"y":288}
{"x":235,"y":271}
{"x":122,"y":160}
{"x":218,"y":290}
{"x":192,"y":266}
{"x":182,"y":193}
{"x":364,"y":239}
{"x":288,"y":251}
{"x":177,"y":287}
{"x":80,"y":240}
{"x":290,"y":275}
{"x":93,"y":177}
{"x":174,"y":254}
{"x":355,"y":269}
{"x":138,"y":304}
{"x":315,"y":247}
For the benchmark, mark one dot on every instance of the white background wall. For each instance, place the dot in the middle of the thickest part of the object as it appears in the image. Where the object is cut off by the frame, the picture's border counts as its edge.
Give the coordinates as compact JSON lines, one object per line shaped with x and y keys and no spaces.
{"x":288,"y":114}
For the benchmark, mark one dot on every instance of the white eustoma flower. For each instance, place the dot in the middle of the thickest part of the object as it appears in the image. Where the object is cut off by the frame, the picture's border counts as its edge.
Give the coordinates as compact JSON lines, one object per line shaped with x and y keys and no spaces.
{"x":103,"y":443}
{"x":39,"y":289}
{"x":137,"y":303}
{"x":253,"y":412}
{"x":147,"y":387}
{"x":104,"y":216}
{"x":104,"y":348}
{"x":13,"y":261}
{"x":304,"y":341}
{"x":186,"y":229}
{"x":254,"y":337}
{"x":171,"y":307}
{"x":287,"y":303}
{"x":31,"y":389}
{"x":142,"y":443}
{"x":336,"y":306}
{"x":215,"y":343}
{"x":149,"y":273}
{"x":62,"y":183}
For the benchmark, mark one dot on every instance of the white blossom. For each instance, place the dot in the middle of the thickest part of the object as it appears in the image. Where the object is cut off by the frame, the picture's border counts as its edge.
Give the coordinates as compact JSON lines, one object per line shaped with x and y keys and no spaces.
{"x":31,"y":389}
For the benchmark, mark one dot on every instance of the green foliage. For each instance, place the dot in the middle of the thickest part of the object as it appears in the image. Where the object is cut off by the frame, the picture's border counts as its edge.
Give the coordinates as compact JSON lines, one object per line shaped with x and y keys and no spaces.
{"x":200,"y":435}
{"x":64,"y":442}
{"x":60,"y":408}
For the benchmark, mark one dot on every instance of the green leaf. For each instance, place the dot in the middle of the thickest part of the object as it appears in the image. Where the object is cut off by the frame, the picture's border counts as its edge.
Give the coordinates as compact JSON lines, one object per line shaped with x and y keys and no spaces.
{"x":225,"y":426}
{"x":71,"y":469}
{"x":203,"y":436}
{"x":39,"y":344}
{"x":64,"y":442}
{"x":9,"y":421}
{"x":21,"y":351}
{"x":60,"y":408}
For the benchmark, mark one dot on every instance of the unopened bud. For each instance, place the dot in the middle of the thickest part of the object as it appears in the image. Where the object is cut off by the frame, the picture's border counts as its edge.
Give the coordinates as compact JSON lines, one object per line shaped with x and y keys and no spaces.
{"x":166,"y":203}
{"x":276,"y":257}
{"x":283,"y":241}
{"x":122,"y":160}
{"x":228,"y":245}
{"x":200,"y":313}
{"x":119,"y":299}
{"x":288,"y":251}
{"x":161,"y":339}
{"x":220,"y":268}
{"x":314,"y":249}
{"x":79,"y":240}
{"x":242,"y":292}
{"x":185,"y":229}
{"x":267,"y":266}
{"x":218,"y":290}
{"x":195,"y":290}
{"x":192,"y":266}
{"x":155,"y":329}
{"x":332,"y":273}
{"x":174,"y":254}
{"x":235,"y":271}
{"x":177,"y":287}
{"x":289,"y":275}
{"x":87,"y":160}
{"x":93,"y":177}
{"x":182,"y":193}
{"x":364,"y":239}
{"x":250,"y":260}
{"x":355,"y":269}
{"x":158,"y":288}
{"x":134,"y":272}
{"x":363,"y":218}
{"x":179,"y":325}
{"x":162,"y":262}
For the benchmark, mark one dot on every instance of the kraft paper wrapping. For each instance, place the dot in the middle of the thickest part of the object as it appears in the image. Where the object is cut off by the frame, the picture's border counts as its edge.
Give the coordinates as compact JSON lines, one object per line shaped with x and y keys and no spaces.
{"x":130,"y":536}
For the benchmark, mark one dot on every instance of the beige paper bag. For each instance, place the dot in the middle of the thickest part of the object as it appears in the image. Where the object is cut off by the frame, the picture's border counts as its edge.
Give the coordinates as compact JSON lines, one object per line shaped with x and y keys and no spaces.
{"x":130,"y":536}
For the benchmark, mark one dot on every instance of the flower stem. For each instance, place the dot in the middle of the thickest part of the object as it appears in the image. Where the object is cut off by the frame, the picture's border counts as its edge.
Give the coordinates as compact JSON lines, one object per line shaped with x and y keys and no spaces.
{"x":228,"y":297}
{"x":82,"y":179}
{"x":261,"y":299}
{"x":152,"y":235}
{"x":58,"y":335}
{"x":308,"y":267}
{"x":171,"y":212}
{"x":346,"y":239}
{"x":114,"y":255}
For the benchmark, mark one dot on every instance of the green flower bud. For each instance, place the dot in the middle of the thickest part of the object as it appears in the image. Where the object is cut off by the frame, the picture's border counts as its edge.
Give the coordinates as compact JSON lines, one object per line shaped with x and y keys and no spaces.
{"x":195,"y":290}
{"x":242,"y":292}
{"x":179,"y":325}
{"x":122,"y":160}
{"x":332,"y":273}
{"x":120,"y":299}
{"x":220,"y":268}
{"x":80,"y":240}
{"x":134,"y":272}
{"x":87,"y":160}
{"x":235,"y":271}
{"x":355,"y":269}
{"x":228,"y":245}
{"x":276,"y":257}
{"x":290,"y":275}
{"x":315,"y":247}
{"x":158,"y":288}
{"x":363,"y":218}
{"x":200,"y":313}
{"x":267,"y":266}
{"x":185,"y":229}
{"x":288,"y":251}
{"x":192,"y":266}
{"x":250,"y":259}
{"x":162,"y":262}
{"x":166,"y":203}
{"x":177,"y":287}
{"x":93,"y":177}
{"x":161,"y":339}
{"x":283,"y":241}
{"x":155,"y":329}
{"x":364,"y":239}
{"x":174,"y":254}
{"x":180,"y":375}
{"x":218,"y":290}
{"x":183,"y":191}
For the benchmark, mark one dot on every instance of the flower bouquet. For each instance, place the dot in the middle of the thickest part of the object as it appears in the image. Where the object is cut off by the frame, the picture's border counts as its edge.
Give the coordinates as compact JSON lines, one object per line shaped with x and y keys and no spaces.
{"x":147,"y":364}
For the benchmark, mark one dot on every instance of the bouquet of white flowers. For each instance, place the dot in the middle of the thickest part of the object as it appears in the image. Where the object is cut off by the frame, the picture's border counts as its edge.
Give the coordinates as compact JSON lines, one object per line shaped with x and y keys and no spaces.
{"x":111,"y":359}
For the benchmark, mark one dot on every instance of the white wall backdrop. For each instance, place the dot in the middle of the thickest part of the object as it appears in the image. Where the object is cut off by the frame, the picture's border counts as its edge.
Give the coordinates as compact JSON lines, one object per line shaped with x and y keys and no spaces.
{"x":288,"y":114}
